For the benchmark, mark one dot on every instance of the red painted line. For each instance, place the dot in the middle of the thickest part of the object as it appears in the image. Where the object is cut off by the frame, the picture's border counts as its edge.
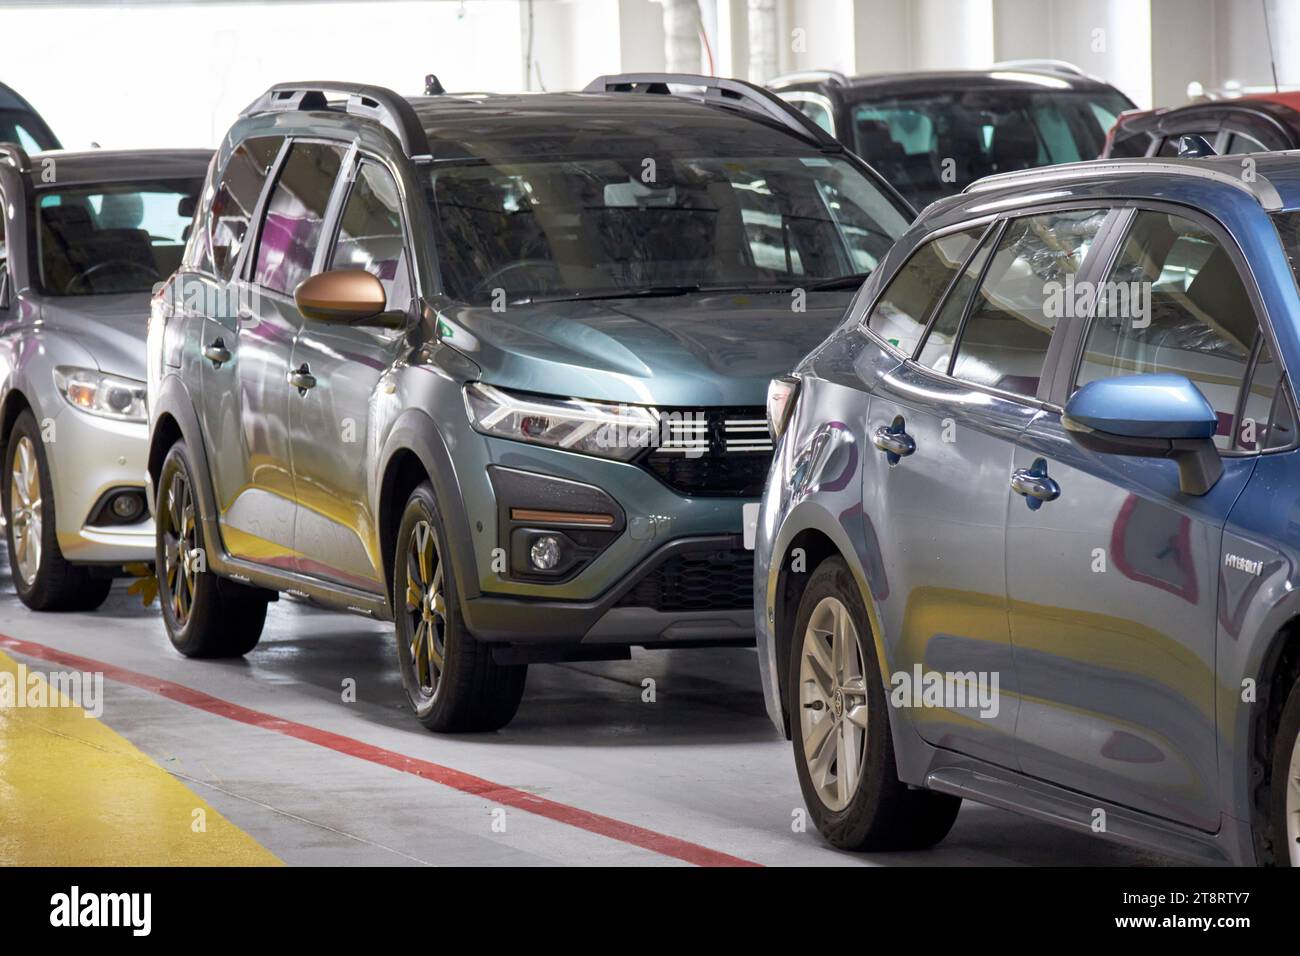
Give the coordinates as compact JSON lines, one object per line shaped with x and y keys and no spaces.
{"x":447,"y":776}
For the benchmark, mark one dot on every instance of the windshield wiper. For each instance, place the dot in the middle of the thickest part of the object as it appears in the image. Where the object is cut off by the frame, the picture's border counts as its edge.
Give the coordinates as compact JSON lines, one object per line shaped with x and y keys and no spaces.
{"x":837,"y":282}
{"x":647,"y":292}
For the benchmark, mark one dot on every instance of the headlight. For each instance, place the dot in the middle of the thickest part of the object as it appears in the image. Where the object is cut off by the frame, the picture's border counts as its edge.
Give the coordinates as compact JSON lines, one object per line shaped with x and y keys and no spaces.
{"x":572,"y":424}
{"x":108,"y":396}
{"x":781,"y":393}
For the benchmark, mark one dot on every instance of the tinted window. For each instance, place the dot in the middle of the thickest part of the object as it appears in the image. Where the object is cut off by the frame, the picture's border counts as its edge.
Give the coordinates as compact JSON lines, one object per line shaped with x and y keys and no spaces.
{"x":900,"y":314}
{"x":1024,"y":293}
{"x":817,"y":112}
{"x":1187,"y":313}
{"x":121,"y":237}
{"x":370,"y":234}
{"x":295,"y":215}
{"x":1241,"y":143}
{"x":1128,"y":145}
{"x":937,"y":352}
{"x":932,"y":145}
{"x":224,"y":224}
{"x":656,"y":221}
{"x":1265,"y":421}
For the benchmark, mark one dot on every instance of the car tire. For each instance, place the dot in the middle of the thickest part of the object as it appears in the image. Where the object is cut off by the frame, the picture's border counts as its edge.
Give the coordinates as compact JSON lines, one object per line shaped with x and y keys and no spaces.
{"x":45,"y":581}
{"x":451,"y":679}
{"x":840,"y":702}
{"x":205,"y":615}
{"x":1284,"y":787}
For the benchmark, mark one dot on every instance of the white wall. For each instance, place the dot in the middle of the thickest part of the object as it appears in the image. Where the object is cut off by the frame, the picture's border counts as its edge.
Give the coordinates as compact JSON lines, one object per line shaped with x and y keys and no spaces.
{"x":177,"y":74}
{"x":143,"y":72}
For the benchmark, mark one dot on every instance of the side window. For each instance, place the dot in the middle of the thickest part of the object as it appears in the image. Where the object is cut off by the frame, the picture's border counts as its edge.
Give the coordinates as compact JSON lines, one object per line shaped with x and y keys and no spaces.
{"x":818,"y":113}
{"x":295,"y":215}
{"x":1266,"y":412}
{"x":370,"y":234}
{"x":937,"y":352}
{"x":225,"y":222}
{"x":1241,"y":143}
{"x":901,"y":312}
{"x":1027,"y":288}
{"x":1128,"y":145}
{"x":1188,"y":313}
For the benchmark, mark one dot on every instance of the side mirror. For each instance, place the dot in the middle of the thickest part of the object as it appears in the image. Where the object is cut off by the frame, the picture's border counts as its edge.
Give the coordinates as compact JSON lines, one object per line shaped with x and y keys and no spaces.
{"x":341,"y":295}
{"x":1149,"y":416}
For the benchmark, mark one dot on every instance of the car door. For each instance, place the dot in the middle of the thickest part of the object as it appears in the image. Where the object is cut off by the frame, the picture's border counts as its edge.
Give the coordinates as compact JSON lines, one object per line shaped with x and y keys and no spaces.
{"x":213,"y":300}
{"x":1113,"y":585}
{"x":944,"y":427}
{"x":247,"y":371}
{"x":333,"y":423}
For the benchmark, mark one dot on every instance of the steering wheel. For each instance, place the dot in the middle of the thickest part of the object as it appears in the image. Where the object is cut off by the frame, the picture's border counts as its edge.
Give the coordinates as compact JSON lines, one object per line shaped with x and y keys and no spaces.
{"x":495,"y":278}
{"x":123,"y":265}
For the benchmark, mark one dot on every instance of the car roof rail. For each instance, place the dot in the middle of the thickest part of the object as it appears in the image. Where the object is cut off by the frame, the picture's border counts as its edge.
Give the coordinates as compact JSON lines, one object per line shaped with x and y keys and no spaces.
{"x":719,"y":91}
{"x":16,"y":157}
{"x":833,"y":77}
{"x":1042,"y":65}
{"x":384,"y":106}
{"x":1263,"y":191}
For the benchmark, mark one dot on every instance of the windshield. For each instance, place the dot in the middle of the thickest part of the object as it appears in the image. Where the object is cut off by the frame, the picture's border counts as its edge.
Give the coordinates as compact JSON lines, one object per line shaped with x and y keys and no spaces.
{"x":119,"y":237}
{"x":604,"y":227}
{"x":933,"y":145}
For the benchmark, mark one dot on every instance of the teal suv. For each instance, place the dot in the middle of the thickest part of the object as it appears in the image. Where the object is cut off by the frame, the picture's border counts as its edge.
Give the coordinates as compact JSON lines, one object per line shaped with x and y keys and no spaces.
{"x":493,"y":367}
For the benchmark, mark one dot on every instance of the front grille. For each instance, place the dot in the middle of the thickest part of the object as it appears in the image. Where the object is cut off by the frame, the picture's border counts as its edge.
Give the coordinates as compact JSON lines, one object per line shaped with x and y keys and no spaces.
{"x":712,"y":451}
{"x":721,"y":580}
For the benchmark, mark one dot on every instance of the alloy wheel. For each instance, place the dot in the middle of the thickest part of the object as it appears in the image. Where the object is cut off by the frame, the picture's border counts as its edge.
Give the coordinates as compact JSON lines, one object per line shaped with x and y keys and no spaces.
{"x":426,"y":611}
{"x":180,"y":546}
{"x":25,"y":508}
{"x":833,"y":703}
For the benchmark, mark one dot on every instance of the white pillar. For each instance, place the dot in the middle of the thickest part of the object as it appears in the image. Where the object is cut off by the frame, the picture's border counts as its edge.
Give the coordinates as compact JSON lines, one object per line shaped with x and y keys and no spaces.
{"x":682,"y":36}
{"x":764,"y":41}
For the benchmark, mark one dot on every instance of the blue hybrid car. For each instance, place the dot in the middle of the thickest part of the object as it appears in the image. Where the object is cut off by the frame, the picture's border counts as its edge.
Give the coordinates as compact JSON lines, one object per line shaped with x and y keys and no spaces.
{"x":1031,"y":536}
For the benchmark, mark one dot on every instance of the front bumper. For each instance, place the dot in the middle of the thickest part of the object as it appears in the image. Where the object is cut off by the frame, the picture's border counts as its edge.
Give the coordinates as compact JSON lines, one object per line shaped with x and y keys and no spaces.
{"x":88,"y":457}
{"x":629,"y":612}
{"x":671,"y":568}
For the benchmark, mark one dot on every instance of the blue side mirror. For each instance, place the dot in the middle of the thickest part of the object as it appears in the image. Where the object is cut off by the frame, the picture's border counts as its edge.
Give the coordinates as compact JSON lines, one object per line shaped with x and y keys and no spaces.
{"x":1144,"y":406}
{"x":1151,"y":416}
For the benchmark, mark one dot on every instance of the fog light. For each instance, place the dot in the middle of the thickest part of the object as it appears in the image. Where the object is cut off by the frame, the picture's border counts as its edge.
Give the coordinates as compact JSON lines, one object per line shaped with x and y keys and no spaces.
{"x":545,"y":552}
{"x":127,"y":506}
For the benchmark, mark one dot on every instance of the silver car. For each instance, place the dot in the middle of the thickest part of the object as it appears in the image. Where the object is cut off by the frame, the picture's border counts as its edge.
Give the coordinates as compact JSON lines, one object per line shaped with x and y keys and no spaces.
{"x":84,"y":239}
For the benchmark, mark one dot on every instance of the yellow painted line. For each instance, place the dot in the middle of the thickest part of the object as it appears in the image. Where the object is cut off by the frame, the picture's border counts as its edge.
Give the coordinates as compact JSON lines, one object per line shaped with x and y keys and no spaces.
{"x":75,"y":793}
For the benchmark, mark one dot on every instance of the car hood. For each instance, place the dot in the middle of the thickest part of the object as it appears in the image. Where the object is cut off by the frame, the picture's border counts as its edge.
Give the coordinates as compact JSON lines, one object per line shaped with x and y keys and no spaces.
{"x":709,"y":349}
{"x":112,"y":328}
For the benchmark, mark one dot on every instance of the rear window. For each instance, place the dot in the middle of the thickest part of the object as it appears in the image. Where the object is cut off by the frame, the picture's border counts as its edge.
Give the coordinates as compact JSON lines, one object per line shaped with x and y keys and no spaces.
{"x":112,"y":238}
{"x":933,"y":145}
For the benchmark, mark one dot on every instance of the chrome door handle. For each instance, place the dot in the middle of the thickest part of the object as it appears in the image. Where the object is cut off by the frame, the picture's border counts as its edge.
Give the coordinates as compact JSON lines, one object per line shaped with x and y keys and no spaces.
{"x":217,"y":353}
{"x":1034,"y":484}
{"x":302,"y":379}
{"x":894,"y":441}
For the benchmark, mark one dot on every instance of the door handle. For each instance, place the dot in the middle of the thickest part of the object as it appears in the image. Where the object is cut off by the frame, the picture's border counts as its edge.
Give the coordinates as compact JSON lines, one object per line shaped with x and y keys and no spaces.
{"x":894,"y":441}
{"x":217,"y":353}
{"x":1034,"y":484}
{"x":302,"y":379}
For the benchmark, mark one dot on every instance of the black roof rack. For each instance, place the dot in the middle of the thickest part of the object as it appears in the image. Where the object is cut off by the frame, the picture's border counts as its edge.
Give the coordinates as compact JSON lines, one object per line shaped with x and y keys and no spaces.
{"x":374,"y":102}
{"x":16,"y":156}
{"x":719,"y":91}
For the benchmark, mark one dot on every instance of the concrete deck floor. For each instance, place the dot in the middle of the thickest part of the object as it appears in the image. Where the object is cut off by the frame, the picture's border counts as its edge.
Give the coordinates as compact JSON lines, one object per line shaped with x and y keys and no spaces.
{"x":701,"y":764}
